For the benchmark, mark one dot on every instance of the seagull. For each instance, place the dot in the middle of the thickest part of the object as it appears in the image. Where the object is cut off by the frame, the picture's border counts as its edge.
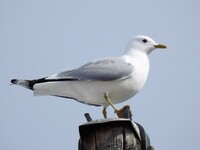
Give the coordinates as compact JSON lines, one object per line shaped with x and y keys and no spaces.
{"x":101,"y":82}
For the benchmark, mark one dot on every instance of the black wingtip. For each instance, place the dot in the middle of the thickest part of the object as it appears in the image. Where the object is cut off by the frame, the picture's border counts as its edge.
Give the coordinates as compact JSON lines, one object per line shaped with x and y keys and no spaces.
{"x":14,"y":81}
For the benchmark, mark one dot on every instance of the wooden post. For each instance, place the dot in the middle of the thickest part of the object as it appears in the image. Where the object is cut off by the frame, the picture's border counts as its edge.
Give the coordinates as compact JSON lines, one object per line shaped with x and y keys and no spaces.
{"x":109,"y":134}
{"x":113,"y":134}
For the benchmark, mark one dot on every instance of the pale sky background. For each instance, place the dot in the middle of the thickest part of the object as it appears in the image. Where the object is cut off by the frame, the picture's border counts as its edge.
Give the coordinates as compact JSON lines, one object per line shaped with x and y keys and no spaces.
{"x":42,"y":37}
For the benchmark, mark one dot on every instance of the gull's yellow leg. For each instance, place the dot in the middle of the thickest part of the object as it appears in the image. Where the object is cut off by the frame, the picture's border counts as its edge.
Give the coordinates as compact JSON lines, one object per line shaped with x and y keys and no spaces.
{"x":110,"y":103}
{"x":124,"y":112}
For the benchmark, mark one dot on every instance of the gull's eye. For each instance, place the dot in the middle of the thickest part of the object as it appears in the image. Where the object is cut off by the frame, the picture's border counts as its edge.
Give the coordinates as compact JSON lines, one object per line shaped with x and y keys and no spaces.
{"x":144,"y":40}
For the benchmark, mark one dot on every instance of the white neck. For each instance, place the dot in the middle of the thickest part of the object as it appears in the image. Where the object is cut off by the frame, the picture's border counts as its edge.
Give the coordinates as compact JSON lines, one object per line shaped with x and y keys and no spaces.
{"x":136,"y":56}
{"x":141,"y":64}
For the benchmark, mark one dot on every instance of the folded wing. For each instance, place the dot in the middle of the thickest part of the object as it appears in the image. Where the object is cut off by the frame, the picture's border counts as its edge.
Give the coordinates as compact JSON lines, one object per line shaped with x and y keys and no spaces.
{"x":105,"y":69}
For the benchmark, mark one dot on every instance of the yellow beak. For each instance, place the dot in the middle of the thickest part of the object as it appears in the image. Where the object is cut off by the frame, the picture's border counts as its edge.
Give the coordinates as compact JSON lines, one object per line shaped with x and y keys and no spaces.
{"x":160,"y":46}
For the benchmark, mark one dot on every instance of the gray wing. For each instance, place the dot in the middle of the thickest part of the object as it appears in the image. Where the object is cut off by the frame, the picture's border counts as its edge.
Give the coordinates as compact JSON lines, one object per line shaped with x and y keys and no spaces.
{"x":105,"y":69}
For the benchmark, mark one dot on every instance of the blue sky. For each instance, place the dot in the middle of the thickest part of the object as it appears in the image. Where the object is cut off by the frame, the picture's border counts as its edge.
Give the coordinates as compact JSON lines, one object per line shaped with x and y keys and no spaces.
{"x":40,"y":37}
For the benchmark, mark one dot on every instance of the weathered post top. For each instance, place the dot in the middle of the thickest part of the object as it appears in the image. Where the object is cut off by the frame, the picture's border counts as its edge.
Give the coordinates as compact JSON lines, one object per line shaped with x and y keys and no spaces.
{"x":113,"y":134}
{"x":109,"y":134}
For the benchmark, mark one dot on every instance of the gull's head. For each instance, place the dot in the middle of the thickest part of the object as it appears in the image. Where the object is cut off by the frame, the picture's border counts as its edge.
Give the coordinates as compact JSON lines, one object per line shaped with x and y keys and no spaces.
{"x":144,"y":44}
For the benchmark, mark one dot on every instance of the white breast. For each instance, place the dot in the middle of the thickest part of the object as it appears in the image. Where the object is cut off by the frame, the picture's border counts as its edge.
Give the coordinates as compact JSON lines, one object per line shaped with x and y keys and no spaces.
{"x":141,"y":64}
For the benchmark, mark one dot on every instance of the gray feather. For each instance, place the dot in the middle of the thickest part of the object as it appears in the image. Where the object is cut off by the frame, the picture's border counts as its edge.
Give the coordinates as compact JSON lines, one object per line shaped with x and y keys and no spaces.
{"x":105,"y":69}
